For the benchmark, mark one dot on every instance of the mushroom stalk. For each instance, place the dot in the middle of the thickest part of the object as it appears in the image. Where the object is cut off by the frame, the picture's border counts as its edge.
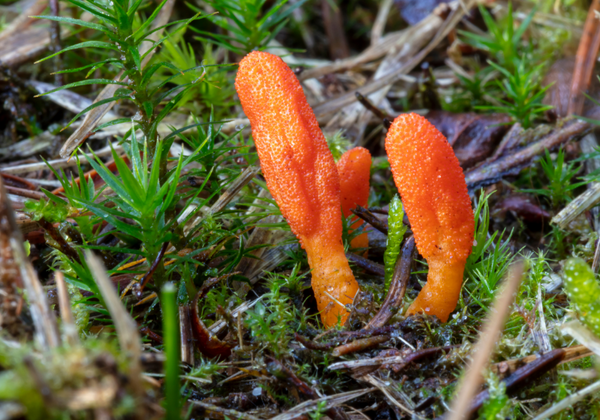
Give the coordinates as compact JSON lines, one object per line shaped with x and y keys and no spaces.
{"x":434,"y":193}
{"x":300,"y":173}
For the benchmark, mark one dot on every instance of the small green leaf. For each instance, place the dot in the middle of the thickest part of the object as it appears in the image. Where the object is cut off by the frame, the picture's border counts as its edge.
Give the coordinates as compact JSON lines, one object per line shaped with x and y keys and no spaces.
{"x":79,"y":22}
{"x":94,"y":66}
{"x":95,"y":105}
{"x":116,"y":121}
{"x":86,"y":44}
{"x":84,"y":83}
{"x":94,"y":10}
{"x":148,"y":21}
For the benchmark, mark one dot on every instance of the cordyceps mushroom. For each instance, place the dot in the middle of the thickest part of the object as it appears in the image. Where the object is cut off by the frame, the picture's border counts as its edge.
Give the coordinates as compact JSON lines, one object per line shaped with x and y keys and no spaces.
{"x":354,"y":169}
{"x":434,"y":193}
{"x":300,"y":173}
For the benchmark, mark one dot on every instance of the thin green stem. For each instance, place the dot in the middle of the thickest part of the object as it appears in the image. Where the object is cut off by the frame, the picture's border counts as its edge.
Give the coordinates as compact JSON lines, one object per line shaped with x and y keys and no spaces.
{"x":171,"y":340}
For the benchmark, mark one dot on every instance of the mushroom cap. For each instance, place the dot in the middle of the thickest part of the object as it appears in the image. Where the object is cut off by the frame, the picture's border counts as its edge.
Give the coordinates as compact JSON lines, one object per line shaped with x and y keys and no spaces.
{"x":354,"y":169}
{"x":299,"y":168}
{"x":432,"y":187}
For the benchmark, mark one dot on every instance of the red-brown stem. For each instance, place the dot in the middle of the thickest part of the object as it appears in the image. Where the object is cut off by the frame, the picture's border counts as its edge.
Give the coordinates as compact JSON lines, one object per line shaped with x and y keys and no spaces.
{"x":585,"y":61}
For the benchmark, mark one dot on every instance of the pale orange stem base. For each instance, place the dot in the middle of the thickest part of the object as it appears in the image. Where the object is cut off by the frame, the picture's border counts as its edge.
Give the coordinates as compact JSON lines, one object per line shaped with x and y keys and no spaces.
{"x":333,"y":283}
{"x":441,"y":292}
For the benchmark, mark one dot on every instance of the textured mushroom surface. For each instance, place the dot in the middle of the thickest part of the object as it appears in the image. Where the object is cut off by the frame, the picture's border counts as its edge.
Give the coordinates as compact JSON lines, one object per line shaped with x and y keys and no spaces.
{"x":301,"y":175}
{"x":354,"y":169}
{"x":434,"y":193}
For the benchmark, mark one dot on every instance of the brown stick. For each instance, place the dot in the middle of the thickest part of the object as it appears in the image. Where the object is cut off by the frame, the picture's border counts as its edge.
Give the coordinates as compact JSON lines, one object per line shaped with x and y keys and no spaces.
{"x":55,"y":41}
{"x":491,"y":172}
{"x":393,"y":300}
{"x":17,"y":181}
{"x":509,"y":367}
{"x":334,"y":27}
{"x":309,"y":344}
{"x":151,"y":335}
{"x":585,"y":60}
{"x":207,"y":343}
{"x":366,"y":264}
{"x":64,"y":246}
{"x":144,"y":280}
{"x":360,"y":344}
{"x":521,"y":377}
{"x":371,"y":219}
{"x":484,"y":347}
{"x":185,"y":331}
{"x":35,"y":195}
{"x":282,"y":372}
{"x":369,"y":105}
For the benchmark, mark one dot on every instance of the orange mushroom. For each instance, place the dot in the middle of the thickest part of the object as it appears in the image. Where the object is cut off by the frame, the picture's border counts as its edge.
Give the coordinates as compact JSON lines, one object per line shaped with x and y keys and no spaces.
{"x":300,"y":173}
{"x":434,"y":193}
{"x":354,"y":168}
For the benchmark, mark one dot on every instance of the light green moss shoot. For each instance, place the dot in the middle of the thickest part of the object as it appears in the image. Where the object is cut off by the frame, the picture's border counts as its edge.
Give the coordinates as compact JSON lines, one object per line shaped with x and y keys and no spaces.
{"x":584,"y":291}
{"x":396,"y":232}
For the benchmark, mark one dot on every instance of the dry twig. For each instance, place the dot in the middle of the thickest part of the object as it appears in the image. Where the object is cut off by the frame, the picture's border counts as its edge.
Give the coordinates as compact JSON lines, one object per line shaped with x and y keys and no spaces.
{"x":127,"y":329}
{"x":68,"y":322}
{"x":43,"y":318}
{"x":393,"y":300}
{"x":486,"y":344}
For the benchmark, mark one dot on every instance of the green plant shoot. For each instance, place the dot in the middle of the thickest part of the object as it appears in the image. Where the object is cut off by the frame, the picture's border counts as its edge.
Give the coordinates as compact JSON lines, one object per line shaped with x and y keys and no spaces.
{"x":171,"y":336}
{"x":396,"y":230}
{"x":584,"y":291}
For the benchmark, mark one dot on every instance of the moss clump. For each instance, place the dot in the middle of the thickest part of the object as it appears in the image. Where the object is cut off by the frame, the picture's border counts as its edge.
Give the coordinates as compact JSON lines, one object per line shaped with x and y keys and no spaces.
{"x":584,"y":292}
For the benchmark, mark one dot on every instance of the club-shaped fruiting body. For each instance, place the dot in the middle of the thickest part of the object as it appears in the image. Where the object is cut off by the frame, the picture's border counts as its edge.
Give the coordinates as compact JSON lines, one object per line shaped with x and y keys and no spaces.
{"x":301,"y":175}
{"x":354,"y":169}
{"x":434,"y":193}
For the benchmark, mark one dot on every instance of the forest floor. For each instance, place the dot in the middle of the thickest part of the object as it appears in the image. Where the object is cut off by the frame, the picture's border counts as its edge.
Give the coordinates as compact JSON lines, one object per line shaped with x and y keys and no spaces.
{"x":147,"y":272}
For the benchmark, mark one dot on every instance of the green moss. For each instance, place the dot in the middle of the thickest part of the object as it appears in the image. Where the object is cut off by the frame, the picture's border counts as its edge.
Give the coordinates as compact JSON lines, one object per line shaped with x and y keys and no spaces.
{"x":394,"y":240}
{"x":584,"y":291}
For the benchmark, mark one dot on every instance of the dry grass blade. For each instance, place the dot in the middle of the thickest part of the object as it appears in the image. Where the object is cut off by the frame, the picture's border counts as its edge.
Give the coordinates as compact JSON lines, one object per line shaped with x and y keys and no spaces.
{"x":348,"y":98}
{"x":234,"y":414}
{"x":26,"y":37}
{"x":330,"y":402}
{"x":186,"y":337}
{"x":252,"y":268}
{"x":68,"y":322}
{"x":67,"y":99}
{"x":581,"y":203}
{"x":23,"y":20}
{"x":389,"y":42}
{"x":224,"y":199}
{"x":56,"y":163}
{"x":127,"y":332}
{"x":582,"y":334}
{"x":380,"y":21}
{"x":234,"y":188}
{"x":485,"y":346}
{"x":218,"y":326}
{"x":43,"y":318}
{"x":569,"y":401}
{"x":379,"y":384}
{"x":354,"y":118}
{"x":93,"y":117}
